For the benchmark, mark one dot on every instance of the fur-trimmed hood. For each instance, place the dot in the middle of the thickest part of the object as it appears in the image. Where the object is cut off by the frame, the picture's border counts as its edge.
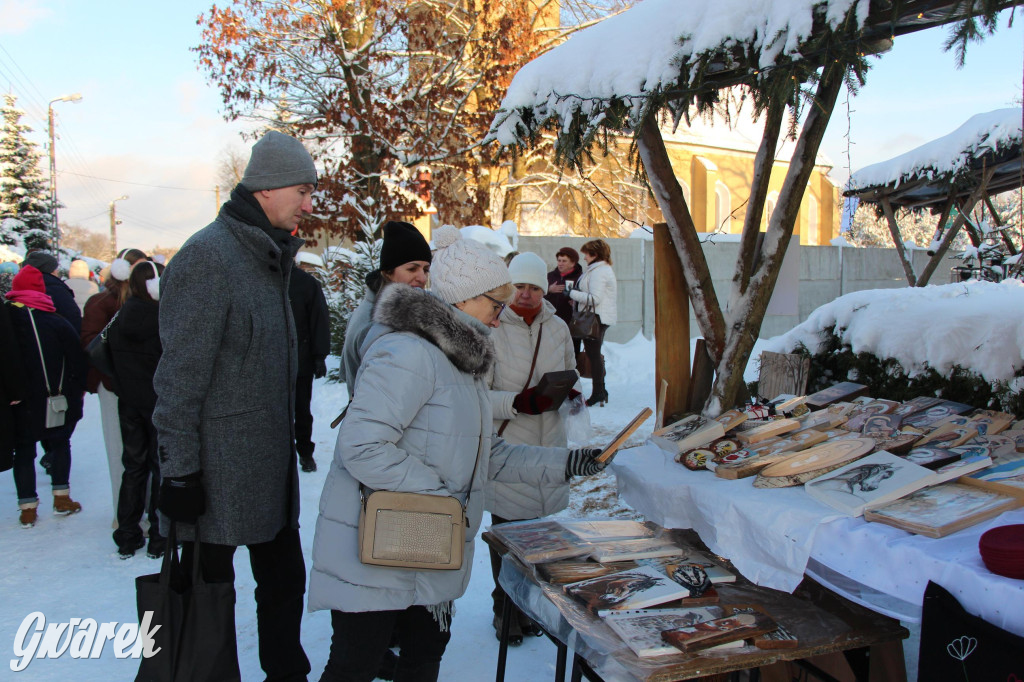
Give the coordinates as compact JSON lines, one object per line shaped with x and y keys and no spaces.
{"x":464,"y":340}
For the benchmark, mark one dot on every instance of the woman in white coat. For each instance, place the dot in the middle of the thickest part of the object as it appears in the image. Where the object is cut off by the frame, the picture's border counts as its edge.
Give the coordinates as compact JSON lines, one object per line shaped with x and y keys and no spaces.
{"x":597,"y":288}
{"x":531,"y":341}
{"x":419,"y":421}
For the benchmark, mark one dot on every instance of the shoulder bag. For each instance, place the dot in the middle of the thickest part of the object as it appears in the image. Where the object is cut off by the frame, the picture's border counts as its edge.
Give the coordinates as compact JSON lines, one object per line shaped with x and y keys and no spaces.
{"x":56,"y":403}
{"x":413,"y":530}
{"x":585,"y":322}
{"x":98,"y":350}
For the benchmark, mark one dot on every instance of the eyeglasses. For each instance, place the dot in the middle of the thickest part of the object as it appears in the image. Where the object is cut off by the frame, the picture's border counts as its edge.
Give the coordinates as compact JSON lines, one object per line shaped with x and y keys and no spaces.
{"x":498,"y":305}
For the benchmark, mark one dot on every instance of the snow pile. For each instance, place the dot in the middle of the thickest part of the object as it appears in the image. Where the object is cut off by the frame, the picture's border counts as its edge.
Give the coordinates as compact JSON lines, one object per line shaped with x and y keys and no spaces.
{"x":641,"y":52}
{"x":949,"y":155}
{"x":976,"y":325}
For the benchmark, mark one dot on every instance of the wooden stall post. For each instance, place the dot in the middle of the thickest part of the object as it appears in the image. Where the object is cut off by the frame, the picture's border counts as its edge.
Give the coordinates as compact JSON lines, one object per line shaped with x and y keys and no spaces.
{"x":671,"y":324}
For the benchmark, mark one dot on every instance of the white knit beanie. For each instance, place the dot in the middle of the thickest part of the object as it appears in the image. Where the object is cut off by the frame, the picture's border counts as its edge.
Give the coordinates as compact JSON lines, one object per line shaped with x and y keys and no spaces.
{"x":463,"y":268}
{"x":529,"y":268}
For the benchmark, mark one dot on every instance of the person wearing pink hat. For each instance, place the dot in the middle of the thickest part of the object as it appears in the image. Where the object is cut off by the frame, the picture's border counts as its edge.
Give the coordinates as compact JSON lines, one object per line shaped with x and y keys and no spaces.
{"x":54,"y":367}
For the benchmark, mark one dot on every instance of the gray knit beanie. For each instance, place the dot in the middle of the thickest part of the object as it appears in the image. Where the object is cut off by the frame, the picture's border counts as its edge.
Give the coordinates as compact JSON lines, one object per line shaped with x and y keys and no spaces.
{"x":41,"y":261}
{"x":463,"y":268}
{"x":278,"y":161}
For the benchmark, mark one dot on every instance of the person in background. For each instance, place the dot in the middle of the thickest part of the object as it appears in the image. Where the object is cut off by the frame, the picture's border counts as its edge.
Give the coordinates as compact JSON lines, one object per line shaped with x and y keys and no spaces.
{"x":567,"y":269}
{"x":7,"y":272}
{"x":420,"y":421}
{"x":313,"y":328}
{"x":225,"y":391}
{"x":12,"y":384}
{"x":98,"y":311}
{"x":78,"y":281}
{"x":597,"y":287}
{"x":54,"y":365}
{"x":530,"y":342}
{"x":61,"y":294}
{"x":134,"y":341}
{"x":405,"y":259}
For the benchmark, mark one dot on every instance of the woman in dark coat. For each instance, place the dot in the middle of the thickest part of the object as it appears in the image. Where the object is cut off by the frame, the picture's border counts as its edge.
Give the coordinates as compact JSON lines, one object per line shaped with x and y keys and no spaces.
{"x":12,"y":386}
{"x":134,"y":340}
{"x":51,"y":356}
{"x":568,"y":268}
{"x":99,"y":310}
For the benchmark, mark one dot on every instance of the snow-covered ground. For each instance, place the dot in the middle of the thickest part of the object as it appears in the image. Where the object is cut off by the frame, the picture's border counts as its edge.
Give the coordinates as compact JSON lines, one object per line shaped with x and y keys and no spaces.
{"x":68,"y":567}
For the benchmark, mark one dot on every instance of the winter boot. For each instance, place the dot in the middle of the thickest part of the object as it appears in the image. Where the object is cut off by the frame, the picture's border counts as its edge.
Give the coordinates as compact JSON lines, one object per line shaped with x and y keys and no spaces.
{"x":127,"y":550}
{"x":157,"y":545}
{"x":29,"y":514}
{"x":307,"y":463}
{"x":515,"y":634}
{"x":63,"y":504}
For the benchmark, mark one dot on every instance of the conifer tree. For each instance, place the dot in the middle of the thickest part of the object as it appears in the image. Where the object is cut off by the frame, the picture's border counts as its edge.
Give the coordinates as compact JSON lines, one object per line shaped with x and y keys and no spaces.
{"x":26,"y":213}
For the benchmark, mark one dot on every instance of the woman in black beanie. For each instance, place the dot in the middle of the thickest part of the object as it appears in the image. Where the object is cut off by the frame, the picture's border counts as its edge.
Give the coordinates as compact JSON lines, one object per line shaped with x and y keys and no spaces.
{"x":404,"y":258}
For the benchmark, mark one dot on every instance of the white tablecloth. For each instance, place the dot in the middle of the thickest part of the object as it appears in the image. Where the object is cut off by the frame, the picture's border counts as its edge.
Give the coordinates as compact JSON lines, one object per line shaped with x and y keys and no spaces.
{"x":774,"y":536}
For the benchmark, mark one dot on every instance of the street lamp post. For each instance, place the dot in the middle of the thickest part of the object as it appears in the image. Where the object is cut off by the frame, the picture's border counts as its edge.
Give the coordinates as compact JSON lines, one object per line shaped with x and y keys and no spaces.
{"x":113,"y":226}
{"x":53,"y":164}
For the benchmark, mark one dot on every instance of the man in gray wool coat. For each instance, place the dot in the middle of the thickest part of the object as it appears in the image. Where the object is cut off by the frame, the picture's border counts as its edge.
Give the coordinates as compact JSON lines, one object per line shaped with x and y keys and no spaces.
{"x":226,"y":394}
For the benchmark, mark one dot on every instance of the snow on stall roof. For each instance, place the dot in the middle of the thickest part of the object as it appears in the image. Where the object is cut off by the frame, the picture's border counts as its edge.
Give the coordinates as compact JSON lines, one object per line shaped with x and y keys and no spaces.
{"x":638,"y":52}
{"x":976,"y":325}
{"x":945,"y":155}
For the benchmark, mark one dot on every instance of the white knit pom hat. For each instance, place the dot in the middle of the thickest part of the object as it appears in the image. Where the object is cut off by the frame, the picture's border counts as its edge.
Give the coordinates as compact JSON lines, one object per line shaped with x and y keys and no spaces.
{"x":529,"y":268}
{"x":463,"y":268}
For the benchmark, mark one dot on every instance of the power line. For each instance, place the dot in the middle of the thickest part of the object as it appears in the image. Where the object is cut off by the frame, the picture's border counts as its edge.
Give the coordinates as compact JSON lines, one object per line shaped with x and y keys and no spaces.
{"x":140,"y":184}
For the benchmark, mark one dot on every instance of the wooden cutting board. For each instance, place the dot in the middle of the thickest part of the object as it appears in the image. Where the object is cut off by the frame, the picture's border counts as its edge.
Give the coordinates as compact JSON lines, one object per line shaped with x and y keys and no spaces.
{"x":803,"y":466}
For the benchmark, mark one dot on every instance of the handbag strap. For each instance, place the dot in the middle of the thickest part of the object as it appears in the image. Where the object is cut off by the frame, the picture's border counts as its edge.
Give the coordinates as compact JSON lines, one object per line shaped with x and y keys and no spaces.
{"x":529,"y":375}
{"x":39,"y":345}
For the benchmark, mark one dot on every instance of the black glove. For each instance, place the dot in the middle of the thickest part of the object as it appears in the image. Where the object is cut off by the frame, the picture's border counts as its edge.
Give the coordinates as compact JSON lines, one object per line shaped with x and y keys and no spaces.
{"x":182,"y":498}
{"x":531,"y":402}
{"x":320,"y":371}
{"x":581,"y":462}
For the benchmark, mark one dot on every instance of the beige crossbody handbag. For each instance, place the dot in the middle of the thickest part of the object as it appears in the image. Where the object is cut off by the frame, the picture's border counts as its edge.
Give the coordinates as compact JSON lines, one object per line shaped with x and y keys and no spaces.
{"x":413,"y":530}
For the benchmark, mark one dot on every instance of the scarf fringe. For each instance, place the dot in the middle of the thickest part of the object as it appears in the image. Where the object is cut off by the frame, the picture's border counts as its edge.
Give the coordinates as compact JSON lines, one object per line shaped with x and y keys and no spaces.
{"x":442,"y":613}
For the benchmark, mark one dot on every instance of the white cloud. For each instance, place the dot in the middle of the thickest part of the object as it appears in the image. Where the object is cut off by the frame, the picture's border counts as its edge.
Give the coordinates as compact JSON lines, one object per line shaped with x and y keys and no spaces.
{"x":20,"y":15}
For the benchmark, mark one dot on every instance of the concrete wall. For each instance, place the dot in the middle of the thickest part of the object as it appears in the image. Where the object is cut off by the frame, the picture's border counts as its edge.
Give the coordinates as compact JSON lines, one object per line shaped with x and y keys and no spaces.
{"x":822,"y":274}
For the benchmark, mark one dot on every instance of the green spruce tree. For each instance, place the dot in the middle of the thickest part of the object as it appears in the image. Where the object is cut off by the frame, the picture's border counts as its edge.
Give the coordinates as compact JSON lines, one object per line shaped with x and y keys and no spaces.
{"x":26,"y":212}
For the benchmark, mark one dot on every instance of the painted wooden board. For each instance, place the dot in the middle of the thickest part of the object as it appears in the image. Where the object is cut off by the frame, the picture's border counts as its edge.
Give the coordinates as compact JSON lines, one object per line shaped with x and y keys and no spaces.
{"x":846,"y":390}
{"x":731,"y":419}
{"x":821,"y":420}
{"x":949,"y":435}
{"x":772,"y":428}
{"x":814,"y":462}
{"x":782,"y":373}
{"x":733,"y":467}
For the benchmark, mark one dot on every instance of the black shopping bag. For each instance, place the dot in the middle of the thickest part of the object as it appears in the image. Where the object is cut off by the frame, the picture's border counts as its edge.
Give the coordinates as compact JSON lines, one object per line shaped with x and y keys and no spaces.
{"x":196,"y":638}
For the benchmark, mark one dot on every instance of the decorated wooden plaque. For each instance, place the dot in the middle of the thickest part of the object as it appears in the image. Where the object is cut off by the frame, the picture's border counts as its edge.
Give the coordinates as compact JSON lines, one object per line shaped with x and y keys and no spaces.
{"x":846,"y":390}
{"x":821,"y":459}
{"x":731,"y":419}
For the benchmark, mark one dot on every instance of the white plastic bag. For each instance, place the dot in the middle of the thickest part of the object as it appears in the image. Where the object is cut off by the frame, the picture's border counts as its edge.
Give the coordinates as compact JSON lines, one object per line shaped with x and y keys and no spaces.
{"x":576,"y":415}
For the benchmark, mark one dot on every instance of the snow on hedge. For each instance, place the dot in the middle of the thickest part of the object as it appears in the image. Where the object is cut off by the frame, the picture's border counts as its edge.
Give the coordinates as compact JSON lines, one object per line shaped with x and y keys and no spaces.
{"x":947,"y":155}
{"x":976,"y":325}
{"x":639,"y":52}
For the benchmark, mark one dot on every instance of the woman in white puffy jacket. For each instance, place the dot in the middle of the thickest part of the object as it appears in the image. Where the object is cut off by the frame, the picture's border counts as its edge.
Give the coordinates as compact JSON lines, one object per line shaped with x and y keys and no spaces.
{"x":597,"y":288}
{"x":420,"y":421}
{"x":531,"y":341}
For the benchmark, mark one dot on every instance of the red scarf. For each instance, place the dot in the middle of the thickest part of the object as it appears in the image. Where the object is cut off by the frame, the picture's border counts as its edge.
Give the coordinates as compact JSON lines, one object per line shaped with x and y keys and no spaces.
{"x":32,"y":299}
{"x":528,"y":314}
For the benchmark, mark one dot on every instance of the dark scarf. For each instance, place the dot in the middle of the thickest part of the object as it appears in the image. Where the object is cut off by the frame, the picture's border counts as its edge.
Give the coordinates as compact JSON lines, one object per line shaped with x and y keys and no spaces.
{"x":243,"y":206}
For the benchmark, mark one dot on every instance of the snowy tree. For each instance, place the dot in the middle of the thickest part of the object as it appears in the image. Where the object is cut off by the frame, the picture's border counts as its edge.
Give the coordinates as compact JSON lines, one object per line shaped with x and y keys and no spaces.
{"x":381,"y":89}
{"x":24,"y":193}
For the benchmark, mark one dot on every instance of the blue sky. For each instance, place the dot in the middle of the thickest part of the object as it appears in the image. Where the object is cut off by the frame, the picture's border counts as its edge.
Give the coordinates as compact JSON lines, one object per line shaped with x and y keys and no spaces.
{"x":148,"y":117}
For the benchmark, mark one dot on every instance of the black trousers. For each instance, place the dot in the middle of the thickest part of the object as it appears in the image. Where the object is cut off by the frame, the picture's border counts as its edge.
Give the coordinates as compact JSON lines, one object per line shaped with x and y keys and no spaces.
{"x":360,"y":639}
{"x":141,"y":471}
{"x":303,"y":416}
{"x":280,"y":573}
